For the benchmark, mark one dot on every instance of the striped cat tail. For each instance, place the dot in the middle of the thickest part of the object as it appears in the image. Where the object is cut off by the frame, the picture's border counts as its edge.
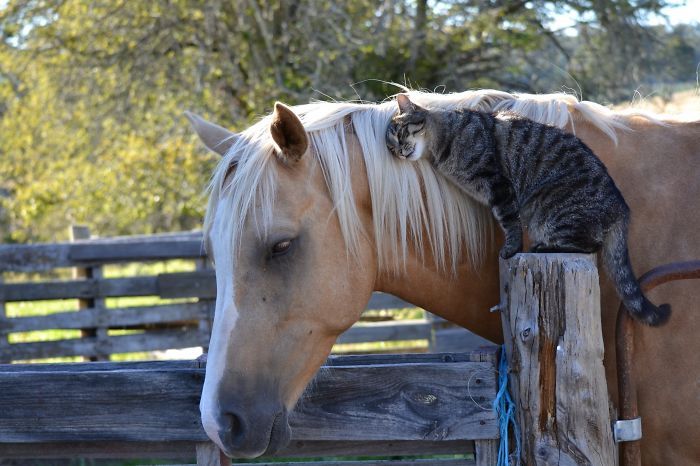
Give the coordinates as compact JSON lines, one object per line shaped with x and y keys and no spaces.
{"x":617,"y":262}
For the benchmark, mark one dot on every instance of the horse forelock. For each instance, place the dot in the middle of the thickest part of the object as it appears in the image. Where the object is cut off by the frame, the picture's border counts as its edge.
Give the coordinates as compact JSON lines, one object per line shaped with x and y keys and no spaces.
{"x":411,"y":206}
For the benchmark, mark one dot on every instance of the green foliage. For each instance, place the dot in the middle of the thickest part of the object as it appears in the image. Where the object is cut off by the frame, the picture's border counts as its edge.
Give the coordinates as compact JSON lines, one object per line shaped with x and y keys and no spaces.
{"x":92,"y":93}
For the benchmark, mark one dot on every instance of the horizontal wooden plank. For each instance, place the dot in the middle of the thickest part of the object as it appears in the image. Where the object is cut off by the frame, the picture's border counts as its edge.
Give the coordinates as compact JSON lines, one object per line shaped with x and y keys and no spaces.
{"x":194,"y":235}
{"x":408,"y":462}
{"x":457,"y":339}
{"x":360,"y":403}
{"x":402,"y":349}
{"x":169,"y":285}
{"x":185,"y":450}
{"x":80,"y":289}
{"x":88,"y":346}
{"x":487,"y":353}
{"x":102,"y":366}
{"x":428,"y":401}
{"x":109,"y":318}
{"x":387,"y":331}
{"x":386,"y":301}
{"x":105,"y":253}
{"x":201,"y":283}
{"x":483,"y":354}
{"x":42,"y":257}
{"x":34,"y":257}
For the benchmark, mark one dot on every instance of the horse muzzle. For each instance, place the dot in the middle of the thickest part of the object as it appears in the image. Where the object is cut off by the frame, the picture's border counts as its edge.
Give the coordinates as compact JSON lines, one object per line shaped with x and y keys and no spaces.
{"x":242,"y":433}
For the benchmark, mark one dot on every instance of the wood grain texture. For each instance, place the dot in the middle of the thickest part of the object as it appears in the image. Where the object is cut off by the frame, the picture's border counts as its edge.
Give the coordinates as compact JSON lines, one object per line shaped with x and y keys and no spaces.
{"x":386,"y":301}
{"x":386,"y":331}
{"x":141,"y":316}
{"x":42,"y":257}
{"x":97,"y":332}
{"x":456,"y":339}
{"x":407,"y":462}
{"x":150,"y":340}
{"x":360,"y":403}
{"x":4,"y":357}
{"x":434,"y":402}
{"x":486,"y":452}
{"x":186,"y":449}
{"x":552,"y":328}
{"x":486,"y":354}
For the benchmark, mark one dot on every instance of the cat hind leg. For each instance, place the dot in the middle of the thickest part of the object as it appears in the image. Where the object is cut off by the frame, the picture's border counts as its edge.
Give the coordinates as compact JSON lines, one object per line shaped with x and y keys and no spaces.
{"x":580,"y":241}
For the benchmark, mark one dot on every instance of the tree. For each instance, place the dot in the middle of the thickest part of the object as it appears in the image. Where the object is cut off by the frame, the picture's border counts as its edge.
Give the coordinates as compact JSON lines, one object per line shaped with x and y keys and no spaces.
{"x":92,"y":93}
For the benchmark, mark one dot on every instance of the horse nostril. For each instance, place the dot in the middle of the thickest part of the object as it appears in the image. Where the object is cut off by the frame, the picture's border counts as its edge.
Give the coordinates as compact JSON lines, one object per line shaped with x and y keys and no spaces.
{"x":234,"y":427}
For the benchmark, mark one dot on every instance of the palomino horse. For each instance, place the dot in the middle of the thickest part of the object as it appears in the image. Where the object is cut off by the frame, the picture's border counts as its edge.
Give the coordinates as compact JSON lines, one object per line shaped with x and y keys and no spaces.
{"x":309,"y":214}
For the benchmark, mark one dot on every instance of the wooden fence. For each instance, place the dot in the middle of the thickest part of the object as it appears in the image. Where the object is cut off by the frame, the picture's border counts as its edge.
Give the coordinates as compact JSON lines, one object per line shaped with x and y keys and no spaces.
{"x":420,"y":404}
{"x":362,"y":405}
{"x":181,"y":316}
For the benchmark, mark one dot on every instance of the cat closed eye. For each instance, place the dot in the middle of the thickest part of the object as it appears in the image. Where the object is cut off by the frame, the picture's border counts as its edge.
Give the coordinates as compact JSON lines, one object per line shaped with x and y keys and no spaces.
{"x":414,"y":128}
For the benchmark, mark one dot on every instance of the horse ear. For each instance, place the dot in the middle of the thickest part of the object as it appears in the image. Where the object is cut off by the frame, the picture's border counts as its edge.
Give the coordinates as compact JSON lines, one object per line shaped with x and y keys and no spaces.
{"x":405,"y":104}
{"x":288,"y":133}
{"x":214,"y":137}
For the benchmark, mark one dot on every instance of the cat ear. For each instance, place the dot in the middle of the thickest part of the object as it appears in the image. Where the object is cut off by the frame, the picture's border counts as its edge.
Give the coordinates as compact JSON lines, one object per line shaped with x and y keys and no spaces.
{"x":405,"y":104}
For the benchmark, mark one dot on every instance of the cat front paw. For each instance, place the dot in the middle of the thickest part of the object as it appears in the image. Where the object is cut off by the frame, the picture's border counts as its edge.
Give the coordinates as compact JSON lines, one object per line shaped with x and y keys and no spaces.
{"x":509,"y":250}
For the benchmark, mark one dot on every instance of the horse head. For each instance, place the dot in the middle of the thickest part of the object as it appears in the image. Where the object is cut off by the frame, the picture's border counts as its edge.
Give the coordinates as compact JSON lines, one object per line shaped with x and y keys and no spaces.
{"x":286,"y":286}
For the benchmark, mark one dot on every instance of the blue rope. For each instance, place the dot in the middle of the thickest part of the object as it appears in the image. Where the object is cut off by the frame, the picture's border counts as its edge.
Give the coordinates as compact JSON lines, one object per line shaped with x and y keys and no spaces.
{"x":505,"y":410}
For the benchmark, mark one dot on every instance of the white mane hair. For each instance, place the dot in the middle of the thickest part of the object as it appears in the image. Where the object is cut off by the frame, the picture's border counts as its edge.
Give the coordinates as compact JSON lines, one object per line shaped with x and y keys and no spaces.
{"x":411,"y":204}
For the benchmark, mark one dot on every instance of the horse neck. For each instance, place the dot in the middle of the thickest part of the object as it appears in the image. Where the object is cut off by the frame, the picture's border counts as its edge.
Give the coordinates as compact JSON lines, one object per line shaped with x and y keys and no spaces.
{"x":463,"y":298}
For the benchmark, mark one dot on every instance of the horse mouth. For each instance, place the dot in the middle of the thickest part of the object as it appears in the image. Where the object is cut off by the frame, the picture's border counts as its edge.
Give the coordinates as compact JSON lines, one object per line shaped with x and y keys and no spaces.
{"x":280,"y":433}
{"x":255,"y":443}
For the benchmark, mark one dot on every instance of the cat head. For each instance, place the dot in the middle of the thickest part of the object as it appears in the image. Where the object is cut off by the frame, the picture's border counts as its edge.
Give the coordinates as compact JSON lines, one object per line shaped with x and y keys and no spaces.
{"x":405,"y":136}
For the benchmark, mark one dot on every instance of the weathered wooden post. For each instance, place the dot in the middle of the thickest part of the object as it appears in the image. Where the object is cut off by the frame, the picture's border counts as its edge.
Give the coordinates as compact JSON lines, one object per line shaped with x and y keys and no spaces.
{"x":552,"y":330}
{"x":98,"y":334}
{"x":4,"y":329}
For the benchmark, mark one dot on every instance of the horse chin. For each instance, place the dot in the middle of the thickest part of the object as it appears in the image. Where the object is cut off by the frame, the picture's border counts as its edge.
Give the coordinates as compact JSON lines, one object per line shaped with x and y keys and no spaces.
{"x":280,"y":434}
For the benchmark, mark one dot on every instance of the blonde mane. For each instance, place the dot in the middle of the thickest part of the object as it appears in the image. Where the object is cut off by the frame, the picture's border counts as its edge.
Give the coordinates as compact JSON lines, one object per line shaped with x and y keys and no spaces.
{"x":411,"y":205}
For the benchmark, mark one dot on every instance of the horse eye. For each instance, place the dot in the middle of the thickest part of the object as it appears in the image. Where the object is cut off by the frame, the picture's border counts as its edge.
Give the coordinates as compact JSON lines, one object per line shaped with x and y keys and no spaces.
{"x":281,"y":247}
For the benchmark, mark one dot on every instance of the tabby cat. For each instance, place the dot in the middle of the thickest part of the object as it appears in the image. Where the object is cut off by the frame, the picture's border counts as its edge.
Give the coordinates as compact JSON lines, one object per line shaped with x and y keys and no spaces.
{"x":529,"y":174}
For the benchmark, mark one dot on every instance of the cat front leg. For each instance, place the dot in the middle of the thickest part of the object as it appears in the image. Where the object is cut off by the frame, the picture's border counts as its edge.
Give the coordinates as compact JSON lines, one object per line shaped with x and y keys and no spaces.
{"x":505,"y":208}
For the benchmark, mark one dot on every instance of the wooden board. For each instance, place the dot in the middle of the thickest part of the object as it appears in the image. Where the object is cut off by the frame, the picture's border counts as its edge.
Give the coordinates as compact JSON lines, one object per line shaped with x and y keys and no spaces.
{"x":444,"y":401}
{"x":184,"y":450}
{"x":485,"y":354}
{"x":148,"y":341}
{"x":434,"y":402}
{"x":387,"y":331}
{"x":42,"y":257}
{"x":112,"y":318}
{"x":407,"y":462}
{"x":456,"y":339}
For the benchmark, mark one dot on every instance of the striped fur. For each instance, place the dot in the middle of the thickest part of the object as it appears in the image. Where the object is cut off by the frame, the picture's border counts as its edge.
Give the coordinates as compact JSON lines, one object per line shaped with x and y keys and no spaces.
{"x":530,"y":175}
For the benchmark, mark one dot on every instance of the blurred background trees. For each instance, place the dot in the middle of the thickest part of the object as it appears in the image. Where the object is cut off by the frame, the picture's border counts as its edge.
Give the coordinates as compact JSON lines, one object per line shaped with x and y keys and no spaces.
{"x":92,"y":92}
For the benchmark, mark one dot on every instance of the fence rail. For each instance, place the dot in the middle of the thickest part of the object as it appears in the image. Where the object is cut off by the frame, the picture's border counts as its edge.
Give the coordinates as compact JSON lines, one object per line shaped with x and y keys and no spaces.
{"x":369,"y":405}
